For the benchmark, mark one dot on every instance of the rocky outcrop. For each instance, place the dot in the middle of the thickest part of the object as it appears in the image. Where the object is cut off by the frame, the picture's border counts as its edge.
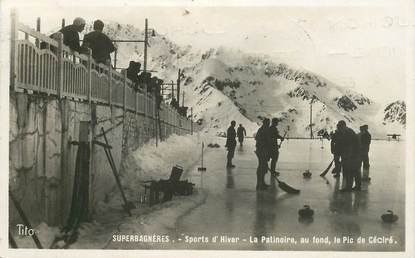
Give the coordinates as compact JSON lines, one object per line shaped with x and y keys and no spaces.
{"x":395,"y":112}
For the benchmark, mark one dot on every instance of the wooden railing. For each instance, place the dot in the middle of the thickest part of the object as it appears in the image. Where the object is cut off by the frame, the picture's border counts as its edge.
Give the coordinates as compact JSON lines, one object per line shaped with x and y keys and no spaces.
{"x":40,"y":64}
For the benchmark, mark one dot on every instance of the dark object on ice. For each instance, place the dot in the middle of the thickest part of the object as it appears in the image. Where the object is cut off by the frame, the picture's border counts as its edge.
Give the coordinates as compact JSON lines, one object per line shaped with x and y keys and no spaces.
{"x":305,"y":220}
{"x":389,"y":217}
{"x":202,"y":168}
{"x":169,"y":187}
{"x":307,"y":174}
{"x":366,"y":179}
{"x":183,"y":187}
{"x":393,"y":136}
{"x":306,"y":212}
{"x":327,"y":169}
{"x":127,"y":205}
{"x":163,"y":186}
{"x":24,"y":219}
{"x":286,"y":188}
{"x":213,"y":145}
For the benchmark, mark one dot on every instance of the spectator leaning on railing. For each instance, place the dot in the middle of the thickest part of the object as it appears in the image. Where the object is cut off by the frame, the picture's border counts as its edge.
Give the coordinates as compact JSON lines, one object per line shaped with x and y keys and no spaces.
{"x":71,"y":36}
{"x":100,"y":44}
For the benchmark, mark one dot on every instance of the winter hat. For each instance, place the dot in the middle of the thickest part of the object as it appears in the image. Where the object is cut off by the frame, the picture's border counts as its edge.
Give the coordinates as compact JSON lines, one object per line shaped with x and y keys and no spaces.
{"x":341,"y":123}
{"x":79,"y":21}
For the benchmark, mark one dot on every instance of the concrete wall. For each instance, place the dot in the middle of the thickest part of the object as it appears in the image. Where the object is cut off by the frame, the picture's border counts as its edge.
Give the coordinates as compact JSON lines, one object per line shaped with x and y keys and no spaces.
{"x":42,"y":160}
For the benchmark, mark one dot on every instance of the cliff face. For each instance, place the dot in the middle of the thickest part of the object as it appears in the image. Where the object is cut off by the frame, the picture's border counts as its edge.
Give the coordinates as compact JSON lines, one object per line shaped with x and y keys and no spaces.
{"x":395,"y":113}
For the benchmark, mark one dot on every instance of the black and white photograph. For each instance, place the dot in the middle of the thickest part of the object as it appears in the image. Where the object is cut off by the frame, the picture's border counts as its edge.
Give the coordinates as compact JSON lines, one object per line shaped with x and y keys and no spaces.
{"x":277,"y":128}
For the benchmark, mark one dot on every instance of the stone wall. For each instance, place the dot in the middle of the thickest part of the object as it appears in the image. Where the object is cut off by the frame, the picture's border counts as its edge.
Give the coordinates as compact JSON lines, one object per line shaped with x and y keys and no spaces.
{"x":42,"y":158}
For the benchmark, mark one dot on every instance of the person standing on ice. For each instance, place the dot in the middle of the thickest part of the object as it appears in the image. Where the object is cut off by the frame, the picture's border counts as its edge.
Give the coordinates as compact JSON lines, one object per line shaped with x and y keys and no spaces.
{"x":230,"y":144}
{"x":99,"y":43}
{"x":364,"y":139}
{"x":263,"y":154}
{"x":241,"y":132}
{"x":273,"y":141}
{"x":335,"y":151}
{"x":71,"y":36}
{"x":349,"y":154}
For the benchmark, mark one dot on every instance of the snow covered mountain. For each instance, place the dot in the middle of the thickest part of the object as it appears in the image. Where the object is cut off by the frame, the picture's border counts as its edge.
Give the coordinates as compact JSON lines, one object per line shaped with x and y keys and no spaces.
{"x":395,"y":113}
{"x":226,"y":84}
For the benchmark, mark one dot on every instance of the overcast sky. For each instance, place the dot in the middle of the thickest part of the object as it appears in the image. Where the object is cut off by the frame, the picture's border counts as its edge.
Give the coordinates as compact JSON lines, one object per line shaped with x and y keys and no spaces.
{"x":364,"y":48}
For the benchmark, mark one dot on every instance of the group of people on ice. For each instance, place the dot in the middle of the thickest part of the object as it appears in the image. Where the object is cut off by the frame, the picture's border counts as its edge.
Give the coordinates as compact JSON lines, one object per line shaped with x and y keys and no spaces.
{"x":350,"y":151}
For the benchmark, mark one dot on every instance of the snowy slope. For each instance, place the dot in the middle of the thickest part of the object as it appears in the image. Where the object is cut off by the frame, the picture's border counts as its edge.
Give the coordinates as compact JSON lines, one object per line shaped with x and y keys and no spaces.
{"x":226,"y":84}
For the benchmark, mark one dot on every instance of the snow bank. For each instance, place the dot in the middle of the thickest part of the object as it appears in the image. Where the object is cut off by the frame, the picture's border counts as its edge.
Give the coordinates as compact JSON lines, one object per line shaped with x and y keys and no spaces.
{"x":153,"y":163}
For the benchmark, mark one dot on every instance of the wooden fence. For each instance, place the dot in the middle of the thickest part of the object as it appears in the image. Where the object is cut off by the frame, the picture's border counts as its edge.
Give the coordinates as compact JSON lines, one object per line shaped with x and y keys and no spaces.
{"x":40,"y":64}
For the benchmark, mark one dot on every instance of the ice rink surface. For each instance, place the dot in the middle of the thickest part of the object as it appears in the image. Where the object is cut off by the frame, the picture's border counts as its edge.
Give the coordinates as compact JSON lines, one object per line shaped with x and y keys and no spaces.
{"x":234,"y":209}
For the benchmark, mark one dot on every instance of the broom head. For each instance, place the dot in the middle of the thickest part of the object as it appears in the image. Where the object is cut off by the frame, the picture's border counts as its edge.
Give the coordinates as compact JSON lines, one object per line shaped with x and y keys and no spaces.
{"x":287,"y":188}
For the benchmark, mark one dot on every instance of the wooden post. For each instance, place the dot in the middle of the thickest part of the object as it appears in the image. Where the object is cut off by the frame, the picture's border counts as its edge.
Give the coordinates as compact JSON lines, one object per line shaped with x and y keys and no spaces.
{"x":63,"y":23}
{"x":59,"y":77}
{"x":89,"y":75}
{"x":64,"y":191}
{"x":136,"y":101}
{"x":125,"y":90}
{"x":109,"y":84}
{"x":145,"y":131}
{"x":13,"y":50}
{"x":155,"y":116}
{"x":145,"y":45}
{"x":86,"y":134}
{"x":191,"y":120}
{"x":311,"y":119}
{"x":178,"y":86}
{"x":115,"y":59}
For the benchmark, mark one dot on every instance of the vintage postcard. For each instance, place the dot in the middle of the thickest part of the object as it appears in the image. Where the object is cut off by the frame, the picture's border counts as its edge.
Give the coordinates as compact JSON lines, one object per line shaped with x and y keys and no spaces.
{"x":192,"y":129}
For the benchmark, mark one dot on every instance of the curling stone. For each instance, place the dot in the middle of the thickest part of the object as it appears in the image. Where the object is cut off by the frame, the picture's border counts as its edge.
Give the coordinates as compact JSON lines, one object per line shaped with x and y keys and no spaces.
{"x":307,"y":174}
{"x":389,"y":217}
{"x":306,"y":212}
{"x":366,"y":179}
